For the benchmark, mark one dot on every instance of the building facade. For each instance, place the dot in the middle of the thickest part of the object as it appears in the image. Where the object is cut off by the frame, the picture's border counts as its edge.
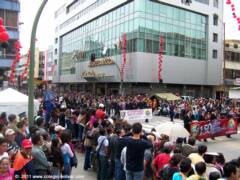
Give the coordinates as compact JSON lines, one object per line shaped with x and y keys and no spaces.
{"x":89,"y":45}
{"x":9,"y":11}
{"x":232,"y":63}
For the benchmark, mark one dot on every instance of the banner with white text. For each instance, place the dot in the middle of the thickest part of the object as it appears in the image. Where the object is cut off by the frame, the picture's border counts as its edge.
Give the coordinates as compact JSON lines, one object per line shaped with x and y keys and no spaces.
{"x":137,"y":114}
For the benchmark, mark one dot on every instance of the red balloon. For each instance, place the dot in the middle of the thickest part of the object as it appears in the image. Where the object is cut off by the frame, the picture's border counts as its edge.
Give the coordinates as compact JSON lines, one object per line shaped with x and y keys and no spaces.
{"x":228,"y":2}
{"x":1,"y":21}
{"x":4,"y":36}
{"x":2,"y":29}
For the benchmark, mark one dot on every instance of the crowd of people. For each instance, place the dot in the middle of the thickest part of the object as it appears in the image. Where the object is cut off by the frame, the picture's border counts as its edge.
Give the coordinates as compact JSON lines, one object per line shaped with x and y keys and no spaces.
{"x":112,"y":147}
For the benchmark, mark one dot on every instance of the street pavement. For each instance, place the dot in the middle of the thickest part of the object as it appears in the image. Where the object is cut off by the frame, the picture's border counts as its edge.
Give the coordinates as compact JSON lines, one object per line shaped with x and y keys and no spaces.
{"x":230,"y":147}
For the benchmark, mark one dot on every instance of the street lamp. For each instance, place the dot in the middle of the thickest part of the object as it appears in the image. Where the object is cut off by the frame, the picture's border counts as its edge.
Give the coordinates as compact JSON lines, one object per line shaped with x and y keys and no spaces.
{"x":31,"y":66}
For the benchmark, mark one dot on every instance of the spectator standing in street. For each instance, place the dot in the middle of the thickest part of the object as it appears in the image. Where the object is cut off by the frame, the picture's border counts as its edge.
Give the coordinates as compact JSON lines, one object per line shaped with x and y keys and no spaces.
{"x":40,"y":162}
{"x":6,"y":173}
{"x":136,"y":147}
{"x":67,"y":154}
{"x":23,"y":163}
{"x":103,"y":151}
{"x":171,"y":111}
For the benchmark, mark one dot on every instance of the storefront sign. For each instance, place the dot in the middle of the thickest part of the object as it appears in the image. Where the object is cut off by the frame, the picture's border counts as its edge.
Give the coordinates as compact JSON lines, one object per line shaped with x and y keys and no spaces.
{"x":138,"y":114}
{"x":214,"y":128}
{"x":92,"y":74}
{"x":101,"y":62}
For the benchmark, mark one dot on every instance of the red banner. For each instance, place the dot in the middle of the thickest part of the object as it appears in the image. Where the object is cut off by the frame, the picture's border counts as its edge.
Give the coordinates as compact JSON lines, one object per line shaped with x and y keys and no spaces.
{"x":160,"y":58}
{"x":214,"y":128}
{"x":124,"y":55}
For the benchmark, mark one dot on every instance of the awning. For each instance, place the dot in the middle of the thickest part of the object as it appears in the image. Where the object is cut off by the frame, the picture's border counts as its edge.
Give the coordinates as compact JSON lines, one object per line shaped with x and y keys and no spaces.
{"x":167,"y":96}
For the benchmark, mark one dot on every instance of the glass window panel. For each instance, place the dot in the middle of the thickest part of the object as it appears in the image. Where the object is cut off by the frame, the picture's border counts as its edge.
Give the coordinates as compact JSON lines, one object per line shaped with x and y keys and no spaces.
{"x":149,"y":7}
{"x":149,"y":45}
{"x":140,"y":45}
{"x":156,"y":9}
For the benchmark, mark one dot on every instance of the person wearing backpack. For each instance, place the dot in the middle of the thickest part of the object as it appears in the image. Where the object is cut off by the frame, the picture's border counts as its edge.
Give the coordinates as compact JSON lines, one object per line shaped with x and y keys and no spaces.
{"x":102,"y":153}
{"x":162,"y":159}
{"x":167,"y":172}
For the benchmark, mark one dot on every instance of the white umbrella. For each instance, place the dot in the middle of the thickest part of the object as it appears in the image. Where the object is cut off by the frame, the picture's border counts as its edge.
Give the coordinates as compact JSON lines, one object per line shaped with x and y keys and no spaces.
{"x":173,"y":130}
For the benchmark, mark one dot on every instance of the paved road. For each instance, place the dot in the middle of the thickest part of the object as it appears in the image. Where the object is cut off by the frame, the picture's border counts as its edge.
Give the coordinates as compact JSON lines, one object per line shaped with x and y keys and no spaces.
{"x":230,"y":147}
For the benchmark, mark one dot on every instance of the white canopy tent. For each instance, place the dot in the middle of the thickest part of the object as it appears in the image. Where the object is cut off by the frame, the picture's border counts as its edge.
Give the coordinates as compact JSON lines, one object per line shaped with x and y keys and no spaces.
{"x":234,"y":93}
{"x":14,"y":102}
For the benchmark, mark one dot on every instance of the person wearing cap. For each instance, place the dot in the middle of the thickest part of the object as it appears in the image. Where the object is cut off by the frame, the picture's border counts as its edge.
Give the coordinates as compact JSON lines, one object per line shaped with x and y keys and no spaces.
{"x":12,"y":145}
{"x":41,"y":164}
{"x":162,"y":159}
{"x":59,"y":130}
{"x":23,"y":164}
{"x":100,"y":114}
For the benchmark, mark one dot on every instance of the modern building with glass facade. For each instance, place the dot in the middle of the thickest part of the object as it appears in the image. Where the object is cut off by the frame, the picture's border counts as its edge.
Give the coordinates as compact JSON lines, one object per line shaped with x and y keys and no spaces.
{"x":9,"y":10}
{"x":94,"y":29}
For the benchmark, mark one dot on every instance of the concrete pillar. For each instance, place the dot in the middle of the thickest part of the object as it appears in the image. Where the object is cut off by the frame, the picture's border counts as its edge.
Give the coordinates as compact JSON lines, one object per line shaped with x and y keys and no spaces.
{"x":106,"y":89}
{"x":201,"y":91}
{"x":94,"y":89}
{"x":184,"y":90}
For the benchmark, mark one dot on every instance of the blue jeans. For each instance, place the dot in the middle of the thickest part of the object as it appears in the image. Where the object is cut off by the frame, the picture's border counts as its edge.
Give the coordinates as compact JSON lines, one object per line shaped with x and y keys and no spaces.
{"x":102,"y":168}
{"x":67,"y":171}
{"x":119,"y":173}
{"x":130,"y":175}
{"x":87,"y":162}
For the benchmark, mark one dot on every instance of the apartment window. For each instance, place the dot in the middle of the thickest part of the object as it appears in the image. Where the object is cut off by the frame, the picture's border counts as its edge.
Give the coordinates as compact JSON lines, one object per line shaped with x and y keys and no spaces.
{"x":215,"y":19}
{"x":55,"y":51}
{"x":235,"y":46}
{"x":215,"y":3}
{"x":215,"y":37}
{"x":226,"y":45}
{"x":56,"y":40}
{"x":215,"y":54}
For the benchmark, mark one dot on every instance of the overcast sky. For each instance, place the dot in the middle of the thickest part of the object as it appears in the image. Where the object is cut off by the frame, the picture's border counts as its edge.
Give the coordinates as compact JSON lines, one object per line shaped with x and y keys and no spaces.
{"x":46,"y":28}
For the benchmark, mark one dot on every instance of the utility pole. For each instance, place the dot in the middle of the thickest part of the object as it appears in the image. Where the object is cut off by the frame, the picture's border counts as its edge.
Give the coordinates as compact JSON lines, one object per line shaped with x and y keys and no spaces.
{"x":31,"y":66}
